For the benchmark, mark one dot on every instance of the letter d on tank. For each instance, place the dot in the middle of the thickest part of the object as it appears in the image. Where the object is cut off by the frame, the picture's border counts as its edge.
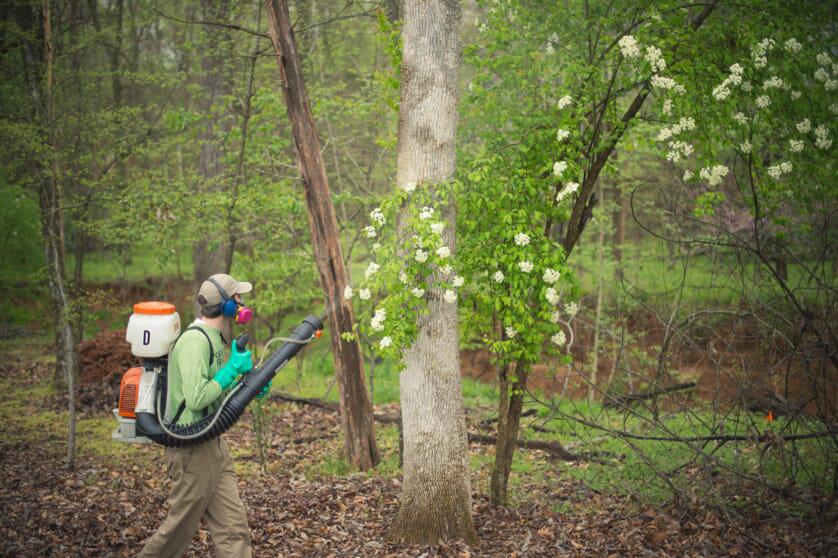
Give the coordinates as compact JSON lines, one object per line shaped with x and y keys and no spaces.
{"x":146,"y":337}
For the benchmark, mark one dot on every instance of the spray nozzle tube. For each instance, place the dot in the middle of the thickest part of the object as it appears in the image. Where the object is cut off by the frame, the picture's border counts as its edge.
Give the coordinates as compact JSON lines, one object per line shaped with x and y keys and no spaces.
{"x":149,"y":425}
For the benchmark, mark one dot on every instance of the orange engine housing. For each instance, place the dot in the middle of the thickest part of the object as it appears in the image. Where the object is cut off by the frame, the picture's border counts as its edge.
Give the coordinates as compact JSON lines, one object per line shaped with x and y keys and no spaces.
{"x":129,"y":389}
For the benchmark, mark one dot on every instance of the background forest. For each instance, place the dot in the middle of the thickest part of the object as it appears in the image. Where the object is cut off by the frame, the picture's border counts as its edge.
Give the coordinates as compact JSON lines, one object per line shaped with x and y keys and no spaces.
{"x":637,"y":244}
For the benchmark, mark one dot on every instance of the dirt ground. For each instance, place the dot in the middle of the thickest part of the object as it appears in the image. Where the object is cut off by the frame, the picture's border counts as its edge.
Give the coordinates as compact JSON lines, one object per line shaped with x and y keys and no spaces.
{"x":108,"y":506}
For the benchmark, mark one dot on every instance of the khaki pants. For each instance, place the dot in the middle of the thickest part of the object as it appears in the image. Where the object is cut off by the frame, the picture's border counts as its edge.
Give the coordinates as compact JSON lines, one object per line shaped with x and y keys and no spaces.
{"x":203,"y":486}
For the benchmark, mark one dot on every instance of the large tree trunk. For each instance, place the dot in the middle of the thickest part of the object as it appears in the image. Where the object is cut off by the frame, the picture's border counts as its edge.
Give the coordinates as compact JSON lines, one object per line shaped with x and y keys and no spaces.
{"x":208,"y":257}
{"x":436,"y":491}
{"x":355,"y":407}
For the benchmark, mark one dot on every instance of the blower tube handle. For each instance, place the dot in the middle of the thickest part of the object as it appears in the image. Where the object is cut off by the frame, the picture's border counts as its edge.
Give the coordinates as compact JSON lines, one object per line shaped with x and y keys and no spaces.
{"x":241,"y":342}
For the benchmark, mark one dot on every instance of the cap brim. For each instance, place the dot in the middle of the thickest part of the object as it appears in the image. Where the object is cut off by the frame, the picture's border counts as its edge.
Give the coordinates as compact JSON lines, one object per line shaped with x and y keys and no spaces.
{"x":243,"y":287}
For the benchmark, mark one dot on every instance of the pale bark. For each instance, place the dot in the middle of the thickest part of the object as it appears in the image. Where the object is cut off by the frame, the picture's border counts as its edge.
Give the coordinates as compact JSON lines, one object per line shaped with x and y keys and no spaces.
{"x":355,"y":406}
{"x":436,"y":491}
{"x":600,"y":262}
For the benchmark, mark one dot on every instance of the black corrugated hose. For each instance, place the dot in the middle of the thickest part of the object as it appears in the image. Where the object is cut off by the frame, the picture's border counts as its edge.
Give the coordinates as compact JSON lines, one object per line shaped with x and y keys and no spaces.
{"x":245,"y":391}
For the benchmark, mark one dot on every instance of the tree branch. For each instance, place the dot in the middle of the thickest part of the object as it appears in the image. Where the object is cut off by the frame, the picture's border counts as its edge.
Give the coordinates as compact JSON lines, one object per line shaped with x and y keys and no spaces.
{"x":232,"y":26}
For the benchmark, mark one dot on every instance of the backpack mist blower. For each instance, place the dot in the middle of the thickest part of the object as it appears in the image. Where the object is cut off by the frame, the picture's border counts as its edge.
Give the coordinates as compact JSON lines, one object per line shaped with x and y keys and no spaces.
{"x":152,"y":331}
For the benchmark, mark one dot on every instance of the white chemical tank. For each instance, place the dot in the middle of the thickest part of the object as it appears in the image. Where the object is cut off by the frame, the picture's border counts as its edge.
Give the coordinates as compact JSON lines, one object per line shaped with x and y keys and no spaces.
{"x":152,"y":329}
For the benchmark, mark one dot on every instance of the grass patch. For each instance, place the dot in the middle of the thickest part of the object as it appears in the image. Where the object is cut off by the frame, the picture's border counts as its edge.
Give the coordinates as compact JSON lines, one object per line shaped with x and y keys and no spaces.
{"x":26,"y":416}
{"x":135,"y":264}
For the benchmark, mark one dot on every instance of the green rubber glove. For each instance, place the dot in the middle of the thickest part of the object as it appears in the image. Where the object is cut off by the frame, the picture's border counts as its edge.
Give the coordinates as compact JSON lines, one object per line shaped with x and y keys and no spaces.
{"x":238,"y":363}
{"x":265,"y":390}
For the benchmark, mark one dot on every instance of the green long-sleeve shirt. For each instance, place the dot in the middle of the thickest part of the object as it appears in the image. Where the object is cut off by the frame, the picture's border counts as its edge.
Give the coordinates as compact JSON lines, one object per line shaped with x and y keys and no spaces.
{"x":191,"y":376}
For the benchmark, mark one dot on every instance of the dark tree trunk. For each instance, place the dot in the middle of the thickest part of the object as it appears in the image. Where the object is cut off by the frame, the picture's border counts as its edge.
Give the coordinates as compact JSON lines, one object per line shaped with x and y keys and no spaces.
{"x":356,"y":410}
{"x":42,"y":84}
{"x":509,"y":417}
{"x":210,"y":257}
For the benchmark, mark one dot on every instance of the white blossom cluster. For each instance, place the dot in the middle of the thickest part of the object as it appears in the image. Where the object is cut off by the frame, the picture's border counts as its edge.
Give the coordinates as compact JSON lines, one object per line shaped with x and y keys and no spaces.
{"x":824,"y":59}
{"x":552,"y":296}
{"x":551,"y":276}
{"x":654,"y":57}
{"x":773,"y":83}
{"x":745,"y":147}
{"x":409,"y":187}
{"x":426,"y":213}
{"x":562,"y":135}
{"x":722,"y":91}
{"x":759,"y":52}
{"x":569,"y":189}
{"x":438,"y":227}
{"x":559,"y":167}
{"x":385,"y":342}
{"x":793,"y":46}
{"x":713,"y":175}
{"x":364,"y":294}
{"x":443,"y":252}
{"x":498,"y":277}
{"x":804,"y":126}
{"x":522,"y":239}
{"x":740,"y":118}
{"x":446,"y":269}
{"x":763,"y":101}
{"x":348,"y":292}
{"x":372,"y":270}
{"x":777,"y":171}
{"x":795,"y":145}
{"x":421,"y":256}
{"x":667,"y":107}
{"x":678,"y":149}
{"x":822,"y":139}
{"x":667,"y":83}
{"x":628,"y":46}
{"x":377,"y":216}
{"x":377,"y":321}
{"x":449,"y":296}
{"x":370,"y":231}
{"x":564,"y":102}
{"x":795,"y":95}
{"x":525,"y":266}
{"x":417,"y":292}
{"x":685,"y":124}
{"x":571,"y":308}
{"x":511,"y":332}
{"x":554,"y":317}
{"x":458,"y":281}
{"x":558,"y":338}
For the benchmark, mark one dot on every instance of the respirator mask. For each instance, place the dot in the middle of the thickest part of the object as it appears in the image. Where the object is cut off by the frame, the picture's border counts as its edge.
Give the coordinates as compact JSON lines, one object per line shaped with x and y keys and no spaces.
{"x":231,"y":308}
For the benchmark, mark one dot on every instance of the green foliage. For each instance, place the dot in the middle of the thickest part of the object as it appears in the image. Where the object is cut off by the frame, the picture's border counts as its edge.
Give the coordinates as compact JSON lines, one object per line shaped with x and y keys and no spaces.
{"x":21,"y":253}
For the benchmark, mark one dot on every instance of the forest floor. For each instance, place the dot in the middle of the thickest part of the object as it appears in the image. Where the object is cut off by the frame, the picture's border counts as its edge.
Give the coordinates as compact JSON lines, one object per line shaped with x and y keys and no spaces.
{"x":302,"y":502}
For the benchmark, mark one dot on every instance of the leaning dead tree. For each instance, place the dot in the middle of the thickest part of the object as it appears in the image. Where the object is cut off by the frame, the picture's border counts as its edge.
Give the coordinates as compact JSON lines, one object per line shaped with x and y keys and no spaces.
{"x":355,"y":406}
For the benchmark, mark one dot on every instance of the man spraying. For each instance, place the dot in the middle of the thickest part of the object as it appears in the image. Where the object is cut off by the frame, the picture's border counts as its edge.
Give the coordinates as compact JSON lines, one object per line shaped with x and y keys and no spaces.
{"x":203,"y":479}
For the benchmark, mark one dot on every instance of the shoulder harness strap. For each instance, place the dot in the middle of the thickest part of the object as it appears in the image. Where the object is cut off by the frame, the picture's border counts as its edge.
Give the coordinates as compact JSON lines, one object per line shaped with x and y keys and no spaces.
{"x":182,"y":406}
